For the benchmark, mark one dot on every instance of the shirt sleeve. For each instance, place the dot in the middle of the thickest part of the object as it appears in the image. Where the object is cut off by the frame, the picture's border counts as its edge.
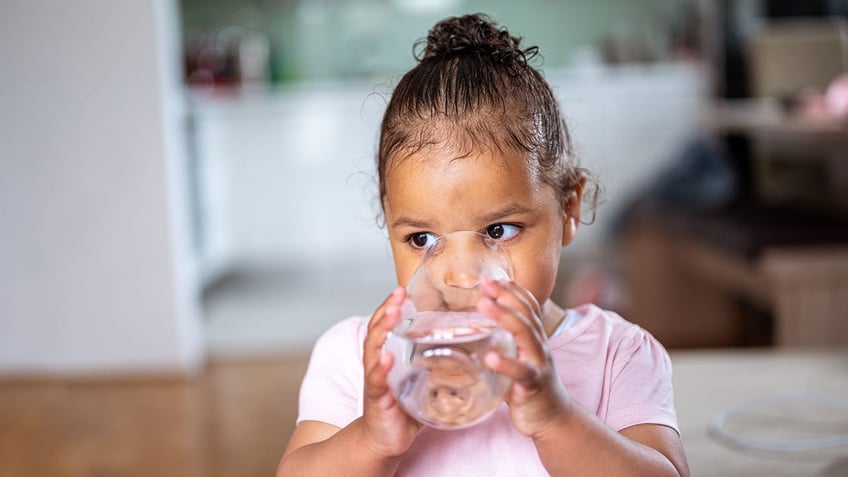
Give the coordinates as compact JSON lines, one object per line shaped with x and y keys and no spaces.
{"x":331,"y":390}
{"x":641,"y":391}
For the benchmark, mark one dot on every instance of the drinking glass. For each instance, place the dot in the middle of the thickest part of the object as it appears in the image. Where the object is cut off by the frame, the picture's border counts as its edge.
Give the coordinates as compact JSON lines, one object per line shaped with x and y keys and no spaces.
{"x":438,"y":376}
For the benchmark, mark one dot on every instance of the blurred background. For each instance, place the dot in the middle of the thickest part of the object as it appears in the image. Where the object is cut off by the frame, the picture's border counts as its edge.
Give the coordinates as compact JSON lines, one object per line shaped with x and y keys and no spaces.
{"x":188,"y":201}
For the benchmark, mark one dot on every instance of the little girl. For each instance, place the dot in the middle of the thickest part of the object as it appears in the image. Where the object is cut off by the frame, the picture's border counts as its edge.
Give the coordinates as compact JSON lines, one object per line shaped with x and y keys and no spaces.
{"x":473,"y":139}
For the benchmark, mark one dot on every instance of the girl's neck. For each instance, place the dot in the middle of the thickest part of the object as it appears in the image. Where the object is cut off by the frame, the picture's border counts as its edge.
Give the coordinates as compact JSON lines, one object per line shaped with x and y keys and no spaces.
{"x":552,"y":316}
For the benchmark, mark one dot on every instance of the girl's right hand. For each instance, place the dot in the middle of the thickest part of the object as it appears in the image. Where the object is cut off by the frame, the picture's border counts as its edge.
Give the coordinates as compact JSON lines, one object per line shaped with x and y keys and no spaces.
{"x":389,"y":431}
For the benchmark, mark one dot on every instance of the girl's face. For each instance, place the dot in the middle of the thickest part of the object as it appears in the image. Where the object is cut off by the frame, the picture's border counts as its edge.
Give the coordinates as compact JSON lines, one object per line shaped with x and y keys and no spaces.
{"x":432,"y":193}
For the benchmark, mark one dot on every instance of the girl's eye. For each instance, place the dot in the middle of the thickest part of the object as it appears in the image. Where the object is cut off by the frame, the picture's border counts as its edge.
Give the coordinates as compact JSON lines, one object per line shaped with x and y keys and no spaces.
{"x":502,"y":231}
{"x":423,"y":240}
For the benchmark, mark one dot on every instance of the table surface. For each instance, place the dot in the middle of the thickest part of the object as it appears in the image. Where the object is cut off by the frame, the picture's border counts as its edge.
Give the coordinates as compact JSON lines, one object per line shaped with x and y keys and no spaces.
{"x":709,"y":382}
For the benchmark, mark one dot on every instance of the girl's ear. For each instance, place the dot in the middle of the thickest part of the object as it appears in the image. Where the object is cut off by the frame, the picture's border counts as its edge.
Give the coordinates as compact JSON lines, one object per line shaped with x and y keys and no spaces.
{"x":571,"y":212}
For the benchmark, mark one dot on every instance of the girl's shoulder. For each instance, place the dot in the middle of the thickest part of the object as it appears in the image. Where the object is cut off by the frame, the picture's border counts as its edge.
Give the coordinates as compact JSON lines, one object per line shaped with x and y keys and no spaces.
{"x":593,"y":324}
{"x":345,"y":336}
{"x":352,"y":325}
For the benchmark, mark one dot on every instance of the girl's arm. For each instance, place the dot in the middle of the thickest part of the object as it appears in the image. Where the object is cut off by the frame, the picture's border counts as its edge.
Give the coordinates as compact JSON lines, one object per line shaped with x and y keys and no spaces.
{"x":372,"y":444}
{"x":582,"y":445}
{"x":318,"y":448}
{"x":569,"y":439}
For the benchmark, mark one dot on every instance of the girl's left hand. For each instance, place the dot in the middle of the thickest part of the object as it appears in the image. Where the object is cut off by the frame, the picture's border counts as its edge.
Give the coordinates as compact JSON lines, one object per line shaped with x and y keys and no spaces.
{"x":537,"y":398}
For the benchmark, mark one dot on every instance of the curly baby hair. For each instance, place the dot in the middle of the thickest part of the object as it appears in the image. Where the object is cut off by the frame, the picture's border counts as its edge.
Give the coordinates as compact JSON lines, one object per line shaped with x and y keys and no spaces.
{"x":473,"y":87}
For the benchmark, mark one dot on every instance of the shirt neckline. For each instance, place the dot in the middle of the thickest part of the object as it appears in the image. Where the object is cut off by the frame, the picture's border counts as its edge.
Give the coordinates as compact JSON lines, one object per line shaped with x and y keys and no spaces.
{"x":576,"y":321}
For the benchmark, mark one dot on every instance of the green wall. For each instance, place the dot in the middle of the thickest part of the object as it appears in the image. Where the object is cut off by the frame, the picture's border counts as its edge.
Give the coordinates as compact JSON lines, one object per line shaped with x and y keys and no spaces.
{"x":331,"y":39}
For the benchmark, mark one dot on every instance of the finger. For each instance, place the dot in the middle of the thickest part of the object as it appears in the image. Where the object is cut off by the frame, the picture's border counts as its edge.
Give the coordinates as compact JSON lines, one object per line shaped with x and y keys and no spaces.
{"x":529,"y":301}
{"x":523,"y":294}
{"x":512,"y":296}
{"x":377,"y":377}
{"x":529,"y":341}
{"x":509,"y":294}
{"x":382,"y":321}
{"x":524,"y":374}
{"x":395,"y":297}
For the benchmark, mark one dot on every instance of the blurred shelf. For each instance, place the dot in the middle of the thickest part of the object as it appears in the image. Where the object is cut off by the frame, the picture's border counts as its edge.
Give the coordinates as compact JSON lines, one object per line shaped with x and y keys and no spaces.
{"x":768,"y":117}
{"x":725,"y":279}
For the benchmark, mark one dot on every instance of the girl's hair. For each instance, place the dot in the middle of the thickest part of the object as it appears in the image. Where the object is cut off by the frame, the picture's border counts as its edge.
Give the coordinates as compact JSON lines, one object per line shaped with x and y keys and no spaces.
{"x":474,"y":88}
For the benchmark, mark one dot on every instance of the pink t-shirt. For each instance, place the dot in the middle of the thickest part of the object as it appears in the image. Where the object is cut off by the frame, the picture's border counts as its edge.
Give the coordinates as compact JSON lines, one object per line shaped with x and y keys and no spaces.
{"x":612,"y":367}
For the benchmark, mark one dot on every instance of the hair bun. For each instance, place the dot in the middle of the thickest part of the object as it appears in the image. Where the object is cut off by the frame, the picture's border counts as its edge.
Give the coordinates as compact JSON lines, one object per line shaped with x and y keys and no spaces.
{"x":474,"y":33}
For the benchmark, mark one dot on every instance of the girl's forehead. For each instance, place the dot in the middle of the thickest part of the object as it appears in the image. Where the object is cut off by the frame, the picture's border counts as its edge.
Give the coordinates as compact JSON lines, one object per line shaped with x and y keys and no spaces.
{"x":440,"y":159}
{"x":433,"y":181}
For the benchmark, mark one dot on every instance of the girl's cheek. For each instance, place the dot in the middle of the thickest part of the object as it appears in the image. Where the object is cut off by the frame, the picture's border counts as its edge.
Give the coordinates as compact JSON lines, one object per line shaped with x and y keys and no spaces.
{"x":537,"y":276}
{"x":405,"y":267}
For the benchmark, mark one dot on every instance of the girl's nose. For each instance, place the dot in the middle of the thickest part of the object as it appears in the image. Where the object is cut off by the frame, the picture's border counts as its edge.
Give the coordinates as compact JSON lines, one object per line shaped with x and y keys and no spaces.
{"x":462,"y":275}
{"x":463,"y":254}
{"x":458,"y":259}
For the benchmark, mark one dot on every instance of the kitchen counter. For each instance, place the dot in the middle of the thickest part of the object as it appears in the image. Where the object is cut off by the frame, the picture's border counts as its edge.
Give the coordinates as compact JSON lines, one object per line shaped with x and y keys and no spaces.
{"x":708,"y":383}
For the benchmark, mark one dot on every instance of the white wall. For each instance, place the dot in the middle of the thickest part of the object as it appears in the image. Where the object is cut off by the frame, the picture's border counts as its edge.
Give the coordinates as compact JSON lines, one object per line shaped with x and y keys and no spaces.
{"x":628,"y":124}
{"x":95,"y":269}
{"x":288,"y":177}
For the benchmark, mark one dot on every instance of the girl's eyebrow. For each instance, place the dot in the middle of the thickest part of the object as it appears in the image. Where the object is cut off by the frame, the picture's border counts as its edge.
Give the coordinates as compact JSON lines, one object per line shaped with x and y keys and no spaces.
{"x":408,"y":222}
{"x":510,"y":209}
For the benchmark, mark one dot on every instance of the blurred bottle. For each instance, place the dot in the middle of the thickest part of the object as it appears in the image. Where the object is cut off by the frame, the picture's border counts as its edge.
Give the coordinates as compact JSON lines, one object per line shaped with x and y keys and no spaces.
{"x":254,"y":60}
{"x":227,"y":59}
